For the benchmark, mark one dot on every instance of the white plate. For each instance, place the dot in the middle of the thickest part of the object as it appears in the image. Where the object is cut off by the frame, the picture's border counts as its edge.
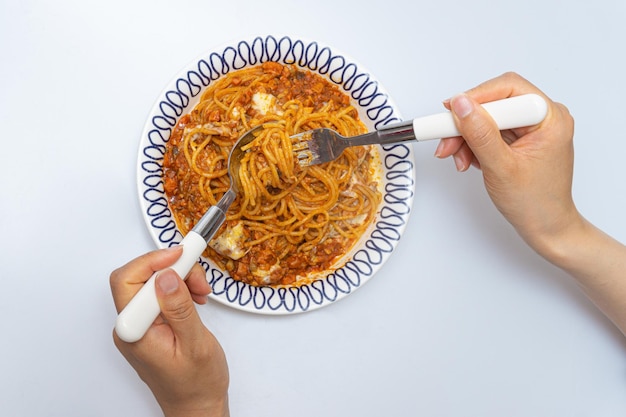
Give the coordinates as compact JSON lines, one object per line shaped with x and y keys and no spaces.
{"x":375,"y":109}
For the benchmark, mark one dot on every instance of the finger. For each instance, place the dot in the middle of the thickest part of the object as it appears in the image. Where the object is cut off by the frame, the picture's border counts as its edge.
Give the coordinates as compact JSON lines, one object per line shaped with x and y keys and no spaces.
{"x":448,"y":146}
{"x":464,"y":158}
{"x":198,"y":285}
{"x":128,"y":279}
{"x":479,"y":131}
{"x":177,"y":307}
{"x":475,"y":162}
{"x":506,"y":85}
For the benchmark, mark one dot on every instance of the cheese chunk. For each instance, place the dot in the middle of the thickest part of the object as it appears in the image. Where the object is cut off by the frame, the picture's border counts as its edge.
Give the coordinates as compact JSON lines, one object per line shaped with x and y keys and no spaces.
{"x":230,"y":243}
{"x":264,"y":103}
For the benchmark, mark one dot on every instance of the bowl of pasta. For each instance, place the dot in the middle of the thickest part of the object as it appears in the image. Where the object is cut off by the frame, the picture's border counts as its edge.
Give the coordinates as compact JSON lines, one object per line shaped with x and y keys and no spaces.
{"x":296,"y":238}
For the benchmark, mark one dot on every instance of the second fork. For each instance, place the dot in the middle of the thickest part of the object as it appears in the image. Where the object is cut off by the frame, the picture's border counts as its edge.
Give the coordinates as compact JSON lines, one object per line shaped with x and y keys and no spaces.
{"x":324,"y":145}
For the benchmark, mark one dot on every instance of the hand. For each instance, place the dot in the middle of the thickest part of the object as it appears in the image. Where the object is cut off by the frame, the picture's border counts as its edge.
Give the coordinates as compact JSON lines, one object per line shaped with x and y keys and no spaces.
{"x":178,"y":358}
{"x":528,"y":175}
{"x":528,"y":171}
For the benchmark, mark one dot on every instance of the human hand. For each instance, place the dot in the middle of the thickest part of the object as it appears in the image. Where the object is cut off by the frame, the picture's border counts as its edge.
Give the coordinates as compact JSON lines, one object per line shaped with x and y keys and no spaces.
{"x":182,"y":363}
{"x":527,"y":171}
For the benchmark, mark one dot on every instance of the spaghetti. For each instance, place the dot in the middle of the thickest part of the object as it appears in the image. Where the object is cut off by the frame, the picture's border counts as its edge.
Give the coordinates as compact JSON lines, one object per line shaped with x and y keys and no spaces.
{"x":288,"y":223}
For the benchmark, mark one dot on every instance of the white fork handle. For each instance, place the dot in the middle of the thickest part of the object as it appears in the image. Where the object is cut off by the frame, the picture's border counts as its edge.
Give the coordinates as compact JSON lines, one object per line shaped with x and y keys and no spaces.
{"x":139,"y":314}
{"x":509,"y":113}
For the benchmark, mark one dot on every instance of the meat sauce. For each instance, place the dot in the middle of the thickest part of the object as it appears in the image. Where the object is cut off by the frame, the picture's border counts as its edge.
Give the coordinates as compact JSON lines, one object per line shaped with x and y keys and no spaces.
{"x":260,"y":265}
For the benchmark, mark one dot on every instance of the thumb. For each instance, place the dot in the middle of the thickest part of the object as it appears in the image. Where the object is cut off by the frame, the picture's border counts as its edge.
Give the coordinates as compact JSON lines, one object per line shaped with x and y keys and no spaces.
{"x":479,"y":131}
{"x":177,"y":307}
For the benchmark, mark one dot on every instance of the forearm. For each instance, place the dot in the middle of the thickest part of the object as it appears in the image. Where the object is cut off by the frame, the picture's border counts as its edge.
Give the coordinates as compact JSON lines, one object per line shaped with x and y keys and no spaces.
{"x":597,"y":262}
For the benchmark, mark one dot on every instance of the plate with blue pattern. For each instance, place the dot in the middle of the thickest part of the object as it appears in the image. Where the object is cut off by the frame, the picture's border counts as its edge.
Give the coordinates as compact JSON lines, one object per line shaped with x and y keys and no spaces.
{"x":375,"y":109}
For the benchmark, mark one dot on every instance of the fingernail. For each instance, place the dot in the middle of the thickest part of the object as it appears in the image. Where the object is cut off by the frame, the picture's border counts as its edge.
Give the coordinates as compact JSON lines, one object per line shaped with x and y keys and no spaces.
{"x":167,"y":281}
{"x":460,"y":165}
{"x":461,"y":106}
{"x":439,"y":149}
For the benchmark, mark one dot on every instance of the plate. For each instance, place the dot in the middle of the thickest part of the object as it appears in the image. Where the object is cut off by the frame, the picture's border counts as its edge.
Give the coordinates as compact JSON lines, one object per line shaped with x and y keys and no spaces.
{"x":375,"y":109}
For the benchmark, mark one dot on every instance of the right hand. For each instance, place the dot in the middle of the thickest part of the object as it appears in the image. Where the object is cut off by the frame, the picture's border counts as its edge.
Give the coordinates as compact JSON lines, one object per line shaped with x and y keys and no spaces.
{"x":178,"y":358}
{"x":527,"y":171}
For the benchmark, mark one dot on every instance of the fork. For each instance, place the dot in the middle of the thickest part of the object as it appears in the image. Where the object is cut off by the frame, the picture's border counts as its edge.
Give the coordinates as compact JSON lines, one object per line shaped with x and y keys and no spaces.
{"x":322,"y":145}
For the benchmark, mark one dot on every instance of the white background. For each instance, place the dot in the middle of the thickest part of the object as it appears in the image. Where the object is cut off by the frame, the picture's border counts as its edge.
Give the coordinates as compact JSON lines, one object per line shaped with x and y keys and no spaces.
{"x":464,"y":320}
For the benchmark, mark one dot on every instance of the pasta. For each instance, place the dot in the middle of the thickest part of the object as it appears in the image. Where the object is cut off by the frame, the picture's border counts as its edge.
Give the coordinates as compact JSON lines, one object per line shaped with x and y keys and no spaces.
{"x":288,"y":223}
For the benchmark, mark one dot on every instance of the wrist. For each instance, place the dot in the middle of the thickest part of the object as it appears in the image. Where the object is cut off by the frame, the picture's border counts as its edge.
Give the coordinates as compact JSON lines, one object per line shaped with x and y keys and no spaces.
{"x":216,"y":409}
{"x":561,"y":247}
{"x":583,"y":251}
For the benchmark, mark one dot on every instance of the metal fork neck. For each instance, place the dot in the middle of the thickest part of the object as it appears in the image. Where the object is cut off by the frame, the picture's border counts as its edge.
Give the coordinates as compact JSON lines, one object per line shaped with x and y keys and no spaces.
{"x":396,"y":133}
{"x":210,"y":223}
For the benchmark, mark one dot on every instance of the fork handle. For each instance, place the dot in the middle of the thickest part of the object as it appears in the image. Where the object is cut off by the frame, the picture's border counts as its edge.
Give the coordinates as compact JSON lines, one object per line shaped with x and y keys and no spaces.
{"x":139,"y":314}
{"x":508,"y":113}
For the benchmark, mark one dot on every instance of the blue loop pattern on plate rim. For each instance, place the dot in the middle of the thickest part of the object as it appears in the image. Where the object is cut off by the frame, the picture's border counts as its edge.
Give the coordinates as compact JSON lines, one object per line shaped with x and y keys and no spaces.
{"x":373,"y":103}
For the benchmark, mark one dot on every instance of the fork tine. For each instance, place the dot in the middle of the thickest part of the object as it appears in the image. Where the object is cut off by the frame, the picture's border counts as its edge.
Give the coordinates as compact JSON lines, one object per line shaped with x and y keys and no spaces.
{"x":303,"y":146}
{"x":299,"y":146}
{"x":304,"y":158}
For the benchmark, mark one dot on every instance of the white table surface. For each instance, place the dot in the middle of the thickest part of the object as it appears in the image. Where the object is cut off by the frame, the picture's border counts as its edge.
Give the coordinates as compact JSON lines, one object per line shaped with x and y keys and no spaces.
{"x":481,"y":325}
